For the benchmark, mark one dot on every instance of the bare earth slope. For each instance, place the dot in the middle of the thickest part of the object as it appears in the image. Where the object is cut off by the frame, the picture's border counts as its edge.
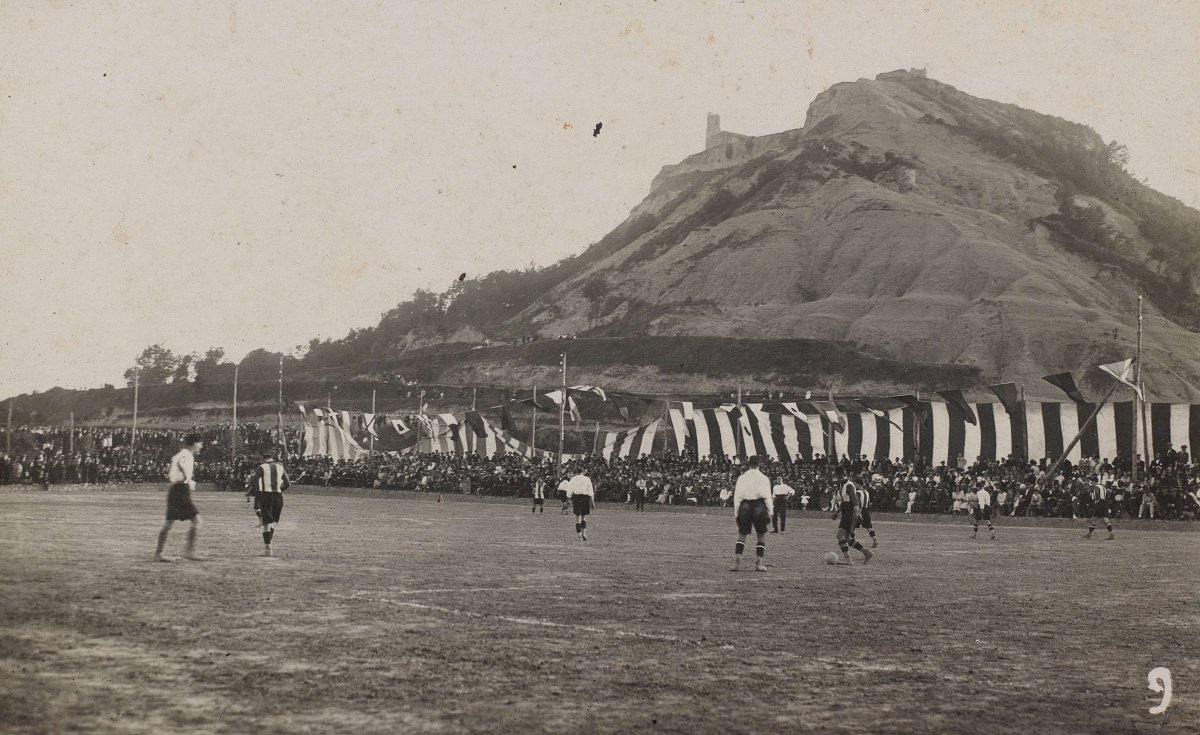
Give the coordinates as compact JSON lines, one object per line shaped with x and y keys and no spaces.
{"x":882,"y":225}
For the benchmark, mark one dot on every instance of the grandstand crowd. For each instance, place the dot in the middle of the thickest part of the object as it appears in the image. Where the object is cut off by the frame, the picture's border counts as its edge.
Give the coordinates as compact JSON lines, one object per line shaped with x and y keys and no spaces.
{"x":1168,"y":488}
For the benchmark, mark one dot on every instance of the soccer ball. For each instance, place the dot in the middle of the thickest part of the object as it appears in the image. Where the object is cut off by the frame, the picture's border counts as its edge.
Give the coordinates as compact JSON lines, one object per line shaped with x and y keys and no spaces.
{"x":830,"y":557}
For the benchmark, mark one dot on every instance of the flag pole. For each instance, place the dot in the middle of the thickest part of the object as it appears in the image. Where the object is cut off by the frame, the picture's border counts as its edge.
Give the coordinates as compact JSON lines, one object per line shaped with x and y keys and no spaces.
{"x":562,"y":426}
{"x":420,"y":412}
{"x":1025,"y":425}
{"x":741,"y":449}
{"x":533,"y":431}
{"x":8,"y":433}
{"x":372,"y":447}
{"x":71,"y":438}
{"x":279,"y":413}
{"x":1141,"y":401}
{"x":233,"y":442}
{"x":596,"y":440}
{"x":133,"y":434}
{"x":474,"y":391}
{"x":1062,"y":457}
{"x":917,"y":426}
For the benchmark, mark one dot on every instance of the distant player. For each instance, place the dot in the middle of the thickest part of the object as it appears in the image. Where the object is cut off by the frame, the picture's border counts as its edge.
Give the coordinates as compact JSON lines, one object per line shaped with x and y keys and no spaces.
{"x":583,"y":500}
{"x":983,"y":508}
{"x":267,"y":485}
{"x":752,"y":507}
{"x":846,"y":503}
{"x":179,"y":497}
{"x":864,"y":513}
{"x":539,"y":496}
{"x":782,"y":493}
{"x":563,"y":495}
{"x":1100,"y":511}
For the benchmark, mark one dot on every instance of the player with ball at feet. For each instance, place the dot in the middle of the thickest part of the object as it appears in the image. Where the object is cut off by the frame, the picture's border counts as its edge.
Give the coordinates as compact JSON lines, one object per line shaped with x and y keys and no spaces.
{"x":849,"y":504}
{"x":753,"y":508}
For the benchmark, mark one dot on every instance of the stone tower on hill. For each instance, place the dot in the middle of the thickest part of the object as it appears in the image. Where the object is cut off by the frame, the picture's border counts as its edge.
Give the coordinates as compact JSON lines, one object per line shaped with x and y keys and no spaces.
{"x":714,"y":138}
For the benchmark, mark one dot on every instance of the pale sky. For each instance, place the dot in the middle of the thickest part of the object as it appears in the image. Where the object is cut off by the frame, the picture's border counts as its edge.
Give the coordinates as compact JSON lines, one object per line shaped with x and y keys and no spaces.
{"x":255,"y":174}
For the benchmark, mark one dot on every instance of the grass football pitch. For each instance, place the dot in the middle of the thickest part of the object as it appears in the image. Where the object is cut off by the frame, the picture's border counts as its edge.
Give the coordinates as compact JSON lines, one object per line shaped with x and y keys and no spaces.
{"x":404,"y":615}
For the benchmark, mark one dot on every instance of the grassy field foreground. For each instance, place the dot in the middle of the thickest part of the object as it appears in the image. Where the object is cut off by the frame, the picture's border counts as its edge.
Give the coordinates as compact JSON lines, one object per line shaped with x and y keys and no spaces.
{"x":387,"y":616}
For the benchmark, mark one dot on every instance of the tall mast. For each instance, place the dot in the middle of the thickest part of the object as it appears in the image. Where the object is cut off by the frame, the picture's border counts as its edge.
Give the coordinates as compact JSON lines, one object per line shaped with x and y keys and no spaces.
{"x":233,"y":442}
{"x":562,"y":425}
{"x":533,"y":431}
{"x":279,"y":412}
{"x":372,"y":447}
{"x":1141,"y":403}
{"x":133,"y":435}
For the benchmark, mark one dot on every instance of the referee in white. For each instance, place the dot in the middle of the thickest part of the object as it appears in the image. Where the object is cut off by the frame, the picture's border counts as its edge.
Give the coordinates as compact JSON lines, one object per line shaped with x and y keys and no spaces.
{"x":753,"y":507}
{"x":583,"y":499}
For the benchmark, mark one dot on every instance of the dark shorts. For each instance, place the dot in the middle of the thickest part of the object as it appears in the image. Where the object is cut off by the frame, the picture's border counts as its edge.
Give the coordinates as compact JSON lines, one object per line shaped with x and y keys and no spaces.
{"x":864,"y":519}
{"x":270,"y":508}
{"x":983,"y":514}
{"x":846,"y":520}
{"x":179,"y":503}
{"x":1100,"y":510}
{"x":753,"y":514}
{"x":581,"y":504}
{"x":539,"y":501}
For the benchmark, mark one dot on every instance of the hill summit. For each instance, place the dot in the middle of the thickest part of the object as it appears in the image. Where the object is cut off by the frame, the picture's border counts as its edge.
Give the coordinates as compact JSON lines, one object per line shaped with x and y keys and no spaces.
{"x":914,"y":222}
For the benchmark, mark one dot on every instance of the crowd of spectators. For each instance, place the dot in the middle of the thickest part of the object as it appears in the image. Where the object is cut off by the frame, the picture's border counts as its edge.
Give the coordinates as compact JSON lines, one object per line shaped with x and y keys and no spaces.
{"x":1168,"y":488}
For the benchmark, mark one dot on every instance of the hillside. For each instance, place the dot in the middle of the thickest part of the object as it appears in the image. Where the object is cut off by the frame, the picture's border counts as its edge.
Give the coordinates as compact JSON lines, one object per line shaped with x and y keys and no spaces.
{"x":908,"y":236}
{"x":916,"y":223}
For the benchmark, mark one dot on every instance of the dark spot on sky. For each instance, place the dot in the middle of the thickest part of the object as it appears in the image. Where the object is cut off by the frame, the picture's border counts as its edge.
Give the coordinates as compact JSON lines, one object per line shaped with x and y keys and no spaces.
{"x":596,"y":131}
{"x":514,"y":165}
{"x":462,"y":276}
{"x":105,"y":74}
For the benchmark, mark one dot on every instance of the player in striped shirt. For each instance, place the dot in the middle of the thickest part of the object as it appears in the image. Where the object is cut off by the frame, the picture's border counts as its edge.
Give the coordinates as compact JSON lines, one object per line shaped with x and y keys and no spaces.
{"x":267,"y":484}
{"x":864,"y":513}
{"x":846,"y":503}
{"x":539,"y":496}
{"x":1100,"y":510}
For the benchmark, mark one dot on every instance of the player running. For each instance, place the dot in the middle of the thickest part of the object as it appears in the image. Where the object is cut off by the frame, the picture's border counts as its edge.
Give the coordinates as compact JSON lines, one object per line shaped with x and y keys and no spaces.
{"x":847,"y":500}
{"x":982,"y":502}
{"x":563,"y":495}
{"x":1100,"y":511}
{"x":267,"y":484}
{"x":179,"y":497}
{"x":752,"y":507}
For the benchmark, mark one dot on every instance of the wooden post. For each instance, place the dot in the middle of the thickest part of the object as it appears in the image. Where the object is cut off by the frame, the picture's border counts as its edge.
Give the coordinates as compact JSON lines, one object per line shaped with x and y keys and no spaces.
{"x":71,"y":437}
{"x":372,"y":447}
{"x":133,"y":433}
{"x":233,"y":439}
{"x":596,"y":440}
{"x":562,"y":409}
{"x":279,"y":414}
{"x":1141,"y":401}
{"x":1054,"y":467}
{"x":8,"y":433}
{"x":533,"y":431}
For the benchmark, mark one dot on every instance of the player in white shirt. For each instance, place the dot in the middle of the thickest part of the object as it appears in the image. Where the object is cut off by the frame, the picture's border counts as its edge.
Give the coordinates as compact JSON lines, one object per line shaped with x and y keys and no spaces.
{"x":983,"y":508}
{"x":539,"y":496}
{"x":583,"y":500}
{"x":782,"y":492}
{"x":562,"y":494}
{"x":179,"y":497}
{"x":752,"y":507}
{"x":846,"y":509}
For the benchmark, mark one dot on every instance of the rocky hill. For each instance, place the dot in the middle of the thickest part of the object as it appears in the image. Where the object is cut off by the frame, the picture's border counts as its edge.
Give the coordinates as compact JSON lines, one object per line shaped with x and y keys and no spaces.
{"x":909,"y":236}
{"x":913,"y":222}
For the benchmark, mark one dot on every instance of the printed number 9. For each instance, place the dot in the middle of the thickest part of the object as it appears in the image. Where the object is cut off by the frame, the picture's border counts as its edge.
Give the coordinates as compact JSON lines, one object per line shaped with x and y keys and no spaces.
{"x":1159,"y":680}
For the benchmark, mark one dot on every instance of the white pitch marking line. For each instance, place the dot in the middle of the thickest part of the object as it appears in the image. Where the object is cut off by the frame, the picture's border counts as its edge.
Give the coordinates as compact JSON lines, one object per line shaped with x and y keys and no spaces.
{"x":533,"y":621}
{"x":446,"y":590}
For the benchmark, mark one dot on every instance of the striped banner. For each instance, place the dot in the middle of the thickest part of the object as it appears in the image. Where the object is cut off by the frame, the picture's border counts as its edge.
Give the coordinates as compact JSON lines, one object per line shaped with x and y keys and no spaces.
{"x":938,"y":432}
{"x":637,"y":442}
{"x":327,"y":437}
